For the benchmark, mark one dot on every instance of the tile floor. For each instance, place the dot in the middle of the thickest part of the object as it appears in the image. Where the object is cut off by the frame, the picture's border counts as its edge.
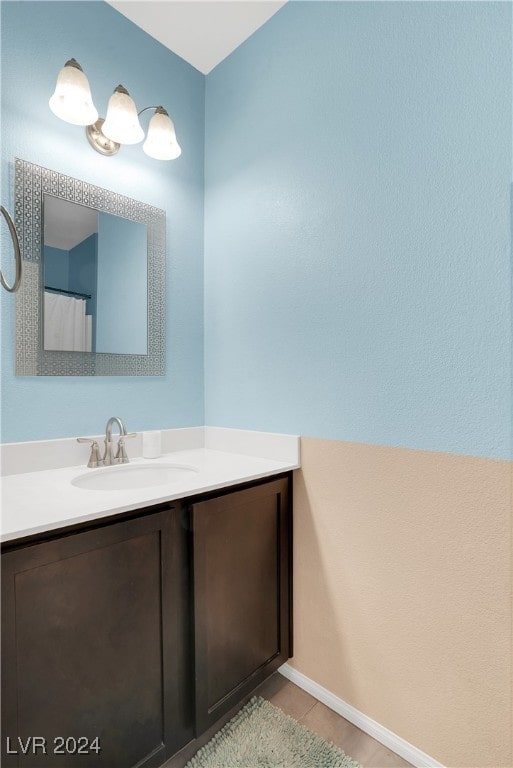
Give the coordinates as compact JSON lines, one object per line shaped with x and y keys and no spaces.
{"x":317,"y":717}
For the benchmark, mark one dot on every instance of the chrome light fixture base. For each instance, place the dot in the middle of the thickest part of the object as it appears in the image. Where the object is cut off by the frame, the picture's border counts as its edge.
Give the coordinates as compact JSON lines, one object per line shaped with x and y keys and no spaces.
{"x":98,"y":141}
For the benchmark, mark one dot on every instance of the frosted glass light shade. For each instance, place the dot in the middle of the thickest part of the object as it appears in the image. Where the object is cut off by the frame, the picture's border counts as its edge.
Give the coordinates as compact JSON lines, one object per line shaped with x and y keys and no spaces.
{"x":72,"y":100}
{"x":161,"y":140}
{"x":122,"y":123}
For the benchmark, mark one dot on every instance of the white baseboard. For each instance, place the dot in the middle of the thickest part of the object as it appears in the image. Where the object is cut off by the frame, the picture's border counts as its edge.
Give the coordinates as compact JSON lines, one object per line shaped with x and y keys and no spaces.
{"x":390,"y":740}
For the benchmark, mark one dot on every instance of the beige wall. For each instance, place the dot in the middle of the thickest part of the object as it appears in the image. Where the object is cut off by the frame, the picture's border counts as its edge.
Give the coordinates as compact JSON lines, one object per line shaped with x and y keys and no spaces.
{"x":402,"y":590}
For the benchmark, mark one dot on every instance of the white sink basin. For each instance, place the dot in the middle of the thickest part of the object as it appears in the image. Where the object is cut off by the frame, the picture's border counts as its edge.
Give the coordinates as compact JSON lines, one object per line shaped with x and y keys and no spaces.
{"x":126,"y":477}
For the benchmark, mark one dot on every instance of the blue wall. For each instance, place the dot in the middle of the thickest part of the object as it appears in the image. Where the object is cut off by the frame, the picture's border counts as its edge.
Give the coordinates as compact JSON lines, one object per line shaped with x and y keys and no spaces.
{"x":37,"y":38}
{"x":56,"y":267}
{"x":122,"y":280}
{"x":357,"y":226}
{"x":83,"y":273}
{"x":357,"y":234}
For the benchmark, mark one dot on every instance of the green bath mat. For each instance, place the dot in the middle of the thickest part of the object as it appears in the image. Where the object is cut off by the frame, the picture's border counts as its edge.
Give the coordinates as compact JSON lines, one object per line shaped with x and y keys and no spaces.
{"x":262,"y":736}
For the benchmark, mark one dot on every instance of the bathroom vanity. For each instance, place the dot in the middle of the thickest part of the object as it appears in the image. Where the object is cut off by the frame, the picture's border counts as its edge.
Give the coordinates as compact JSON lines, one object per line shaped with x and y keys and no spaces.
{"x":126,"y":637}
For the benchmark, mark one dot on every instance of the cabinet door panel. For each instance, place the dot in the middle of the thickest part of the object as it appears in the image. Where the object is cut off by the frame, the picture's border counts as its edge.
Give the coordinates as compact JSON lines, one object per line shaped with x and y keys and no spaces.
{"x":241,"y":594}
{"x":82,"y":624}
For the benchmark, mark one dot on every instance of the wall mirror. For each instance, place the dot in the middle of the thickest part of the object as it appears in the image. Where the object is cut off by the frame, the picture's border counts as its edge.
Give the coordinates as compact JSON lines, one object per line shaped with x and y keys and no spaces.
{"x":92,"y":301}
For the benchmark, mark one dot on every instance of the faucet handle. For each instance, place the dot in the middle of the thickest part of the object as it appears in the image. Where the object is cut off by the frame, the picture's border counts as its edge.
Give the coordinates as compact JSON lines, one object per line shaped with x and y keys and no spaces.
{"x":95,"y":458}
{"x":121,"y":456}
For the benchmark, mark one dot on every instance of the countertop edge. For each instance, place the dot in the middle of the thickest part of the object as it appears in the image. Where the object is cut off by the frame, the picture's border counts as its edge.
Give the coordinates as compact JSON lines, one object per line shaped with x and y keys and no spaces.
{"x":40,"y":527}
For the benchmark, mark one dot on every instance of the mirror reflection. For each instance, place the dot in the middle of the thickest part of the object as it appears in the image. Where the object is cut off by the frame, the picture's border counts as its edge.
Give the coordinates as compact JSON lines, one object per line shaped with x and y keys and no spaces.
{"x":95,"y":277}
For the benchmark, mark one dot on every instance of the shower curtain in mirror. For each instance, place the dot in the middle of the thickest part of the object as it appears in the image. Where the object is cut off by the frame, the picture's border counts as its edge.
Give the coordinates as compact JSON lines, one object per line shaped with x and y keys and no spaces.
{"x":67,"y":328}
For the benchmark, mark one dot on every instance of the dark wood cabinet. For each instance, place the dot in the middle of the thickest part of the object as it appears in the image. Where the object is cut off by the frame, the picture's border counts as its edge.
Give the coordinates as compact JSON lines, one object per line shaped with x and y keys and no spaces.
{"x":95,"y":641}
{"x":241,"y":594}
{"x":136,"y":634}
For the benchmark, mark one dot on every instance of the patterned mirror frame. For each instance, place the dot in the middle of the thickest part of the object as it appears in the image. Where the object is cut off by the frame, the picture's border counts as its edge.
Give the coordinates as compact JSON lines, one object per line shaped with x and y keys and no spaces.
{"x":31,"y":183}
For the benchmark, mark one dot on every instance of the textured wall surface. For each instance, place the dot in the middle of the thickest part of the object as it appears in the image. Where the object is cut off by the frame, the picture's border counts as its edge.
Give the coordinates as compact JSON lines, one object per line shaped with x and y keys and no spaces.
{"x":357,"y":226}
{"x":358,"y":287}
{"x":402,"y":592}
{"x":37,"y":39}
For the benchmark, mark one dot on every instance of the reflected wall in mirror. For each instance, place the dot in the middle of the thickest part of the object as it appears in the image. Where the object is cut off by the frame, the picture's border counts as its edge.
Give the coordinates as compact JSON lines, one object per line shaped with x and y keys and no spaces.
{"x":93,"y":299}
{"x":90,"y":258}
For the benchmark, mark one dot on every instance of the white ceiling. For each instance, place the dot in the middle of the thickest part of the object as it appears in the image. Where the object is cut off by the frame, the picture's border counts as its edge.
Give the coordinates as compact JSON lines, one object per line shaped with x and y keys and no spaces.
{"x":203,"y":32}
{"x":67,"y":224}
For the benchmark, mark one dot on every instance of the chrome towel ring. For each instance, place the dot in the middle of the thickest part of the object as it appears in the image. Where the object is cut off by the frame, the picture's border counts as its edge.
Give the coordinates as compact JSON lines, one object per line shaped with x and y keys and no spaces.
{"x":17,"y":254}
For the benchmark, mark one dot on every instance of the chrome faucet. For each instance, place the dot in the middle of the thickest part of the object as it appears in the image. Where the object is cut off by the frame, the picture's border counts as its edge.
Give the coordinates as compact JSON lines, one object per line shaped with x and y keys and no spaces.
{"x":108,"y":459}
{"x":121,"y":457}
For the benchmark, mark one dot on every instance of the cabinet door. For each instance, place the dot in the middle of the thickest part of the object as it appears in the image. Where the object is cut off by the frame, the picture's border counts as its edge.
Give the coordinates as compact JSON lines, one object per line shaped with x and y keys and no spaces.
{"x":241,"y":594}
{"x":95,"y":636}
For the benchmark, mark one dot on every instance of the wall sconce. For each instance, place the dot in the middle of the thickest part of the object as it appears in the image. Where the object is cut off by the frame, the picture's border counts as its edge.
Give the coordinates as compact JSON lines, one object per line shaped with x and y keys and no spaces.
{"x":72,"y":102}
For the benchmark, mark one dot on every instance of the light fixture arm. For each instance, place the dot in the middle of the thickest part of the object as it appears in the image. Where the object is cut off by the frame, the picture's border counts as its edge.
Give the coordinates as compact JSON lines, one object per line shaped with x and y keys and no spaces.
{"x":159,"y":110}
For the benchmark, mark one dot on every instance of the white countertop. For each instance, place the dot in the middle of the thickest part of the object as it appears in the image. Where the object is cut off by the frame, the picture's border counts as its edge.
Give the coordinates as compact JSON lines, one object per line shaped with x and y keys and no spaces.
{"x":36,"y":502}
